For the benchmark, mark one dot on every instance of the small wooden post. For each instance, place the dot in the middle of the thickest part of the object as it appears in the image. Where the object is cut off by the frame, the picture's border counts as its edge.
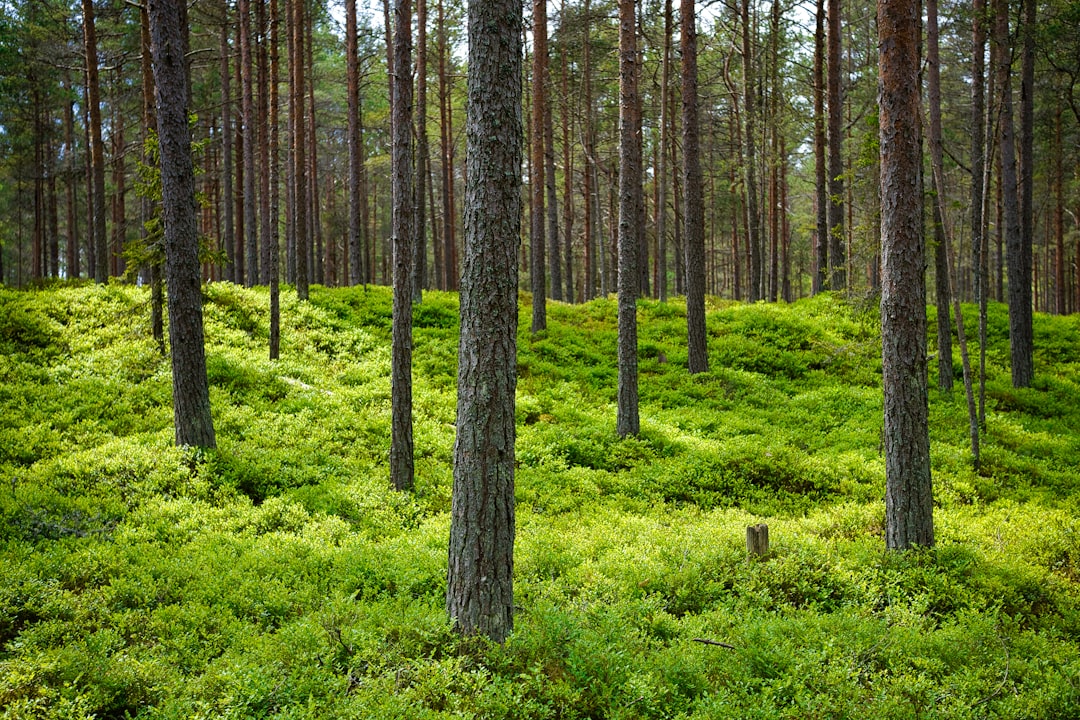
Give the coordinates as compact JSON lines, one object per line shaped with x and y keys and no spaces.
{"x":757,"y":539}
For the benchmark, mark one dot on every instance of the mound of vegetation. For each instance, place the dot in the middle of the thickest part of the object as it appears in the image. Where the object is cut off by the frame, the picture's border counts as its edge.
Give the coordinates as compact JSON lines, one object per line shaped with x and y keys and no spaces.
{"x":281,"y":577}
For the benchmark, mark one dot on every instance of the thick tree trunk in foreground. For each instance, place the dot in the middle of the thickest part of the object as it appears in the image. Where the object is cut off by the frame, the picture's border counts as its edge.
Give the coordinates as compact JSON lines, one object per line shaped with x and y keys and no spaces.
{"x":401,"y":438}
{"x":479,"y":594}
{"x":630,"y":196}
{"x":191,"y":395}
{"x":908,"y":490}
{"x":694,"y":197}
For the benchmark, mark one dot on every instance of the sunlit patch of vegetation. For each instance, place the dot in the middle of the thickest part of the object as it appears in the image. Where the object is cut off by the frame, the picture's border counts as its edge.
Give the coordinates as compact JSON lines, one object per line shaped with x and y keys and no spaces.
{"x":281,"y":576}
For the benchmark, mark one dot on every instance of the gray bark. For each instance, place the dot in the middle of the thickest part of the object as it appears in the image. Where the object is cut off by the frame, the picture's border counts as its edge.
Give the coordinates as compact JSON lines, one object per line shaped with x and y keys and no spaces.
{"x":479,"y":596}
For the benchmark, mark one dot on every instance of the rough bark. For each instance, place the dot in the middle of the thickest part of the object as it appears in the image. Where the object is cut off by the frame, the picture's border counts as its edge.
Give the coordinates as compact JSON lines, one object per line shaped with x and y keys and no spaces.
{"x":301,"y":238}
{"x":630,"y":197}
{"x":1019,"y":262}
{"x":401,"y":435}
{"x":837,"y":256}
{"x":941,"y":259}
{"x":352,"y":81}
{"x":97,"y":145}
{"x":275,"y":150}
{"x":247,"y":110}
{"x":191,"y":395}
{"x":753,"y":211}
{"x":419,"y":270}
{"x":693,"y":194}
{"x":662,"y":170}
{"x":227,"y":239}
{"x":479,"y":596}
{"x":1021,"y":332}
{"x":537,"y":274}
{"x":908,"y":489}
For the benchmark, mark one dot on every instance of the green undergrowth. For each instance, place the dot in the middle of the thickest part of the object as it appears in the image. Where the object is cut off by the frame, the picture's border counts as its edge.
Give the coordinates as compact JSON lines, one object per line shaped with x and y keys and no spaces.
{"x":280,"y":576}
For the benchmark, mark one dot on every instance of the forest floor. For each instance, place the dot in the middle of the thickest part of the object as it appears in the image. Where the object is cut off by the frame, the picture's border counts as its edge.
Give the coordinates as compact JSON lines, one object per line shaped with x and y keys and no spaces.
{"x":280,"y":576}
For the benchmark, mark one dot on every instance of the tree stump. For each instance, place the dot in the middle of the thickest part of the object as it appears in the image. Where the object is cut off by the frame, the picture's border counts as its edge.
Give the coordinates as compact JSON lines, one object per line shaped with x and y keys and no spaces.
{"x":757,"y":539}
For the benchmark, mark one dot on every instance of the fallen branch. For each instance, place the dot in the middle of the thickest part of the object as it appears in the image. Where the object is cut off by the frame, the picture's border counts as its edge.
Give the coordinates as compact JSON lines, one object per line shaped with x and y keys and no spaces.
{"x":717,"y":643}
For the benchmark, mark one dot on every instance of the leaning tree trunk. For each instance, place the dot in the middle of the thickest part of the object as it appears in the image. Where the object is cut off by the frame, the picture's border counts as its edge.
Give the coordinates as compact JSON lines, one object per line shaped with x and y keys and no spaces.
{"x":908,"y":490}
{"x":191,"y":394}
{"x":479,"y":593}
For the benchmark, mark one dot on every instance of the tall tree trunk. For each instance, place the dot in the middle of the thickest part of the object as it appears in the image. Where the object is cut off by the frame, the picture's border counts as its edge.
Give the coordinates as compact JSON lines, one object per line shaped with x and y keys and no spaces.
{"x":837,"y":256}
{"x":275,"y":165}
{"x":71,"y":255}
{"x":225,"y":71}
{"x":191,"y":396}
{"x":448,"y":250}
{"x":753,"y":212}
{"x":537,"y":274}
{"x":630,"y":197}
{"x":821,"y":195}
{"x":419,"y":271}
{"x":550,"y":185}
{"x":262,"y":120}
{"x":97,"y":146}
{"x":941,"y":259}
{"x":479,"y":594}
{"x":1021,"y":332}
{"x":588,"y":172}
{"x":980,"y":132}
{"x":247,"y":109}
{"x":662,"y":170}
{"x":1019,"y":270}
{"x":357,"y":272}
{"x":401,"y":437}
{"x":908,"y":489}
{"x":568,"y":163}
{"x":694,"y":194}
{"x":299,"y":151}
{"x":317,"y":255}
{"x":1060,"y":286}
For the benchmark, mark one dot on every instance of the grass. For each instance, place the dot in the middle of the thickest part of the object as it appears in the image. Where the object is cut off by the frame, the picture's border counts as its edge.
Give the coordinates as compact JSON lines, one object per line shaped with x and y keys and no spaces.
{"x":281,"y":577}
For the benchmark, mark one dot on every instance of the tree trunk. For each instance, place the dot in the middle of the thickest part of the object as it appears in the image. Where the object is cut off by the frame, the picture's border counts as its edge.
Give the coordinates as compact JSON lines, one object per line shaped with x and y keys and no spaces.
{"x":908,"y":490}
{"x":71,"y":255}
{"x":568,"y":165}
{"x":299,"y":151}
{"x":837,"y":257}
{"x":1018,"y":262}
{"x":479,"y":595}
{"x":662,"y":170}
{"x":537,"y":279}
{"x":97,"y":146}
{"x":630,"y":197}
{"x":552,"y":201}
{"x":401,"y":437}
{"x":275,"y":150}
{"x":980,"y":133}
{"x":191,"y":396}
{"x":419,"y":270}
{"x":941,"y":259}
{"x":316,"y":250}
{"x":224,"y":69}
{"x":1021,"y":333}
{"x":694,"y":195}
{"x":247,"y":109}
{"x":1060,"y":294}
{"x":262,"y":119}
{"x":352,"y":71}
{"x":753,"y":212}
